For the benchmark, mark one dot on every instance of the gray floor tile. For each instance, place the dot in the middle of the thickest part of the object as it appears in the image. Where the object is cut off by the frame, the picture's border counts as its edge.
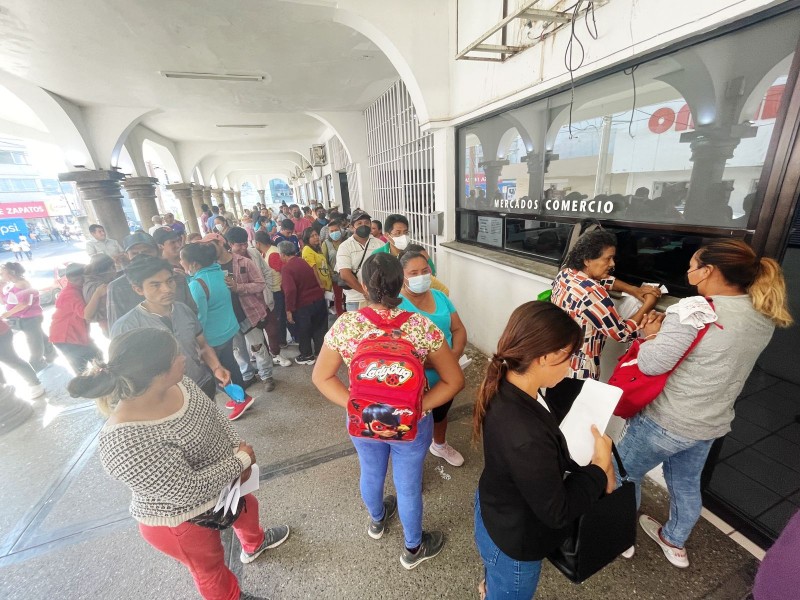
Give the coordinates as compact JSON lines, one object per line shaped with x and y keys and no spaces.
{"x":748,"y":496}
{"x":766,"y":471}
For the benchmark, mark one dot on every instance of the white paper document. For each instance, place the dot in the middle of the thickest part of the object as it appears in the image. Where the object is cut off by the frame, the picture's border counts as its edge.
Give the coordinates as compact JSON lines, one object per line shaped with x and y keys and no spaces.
{"x":593,"y":406}
{"x":464,"y":361}
{"x":230,"y":494}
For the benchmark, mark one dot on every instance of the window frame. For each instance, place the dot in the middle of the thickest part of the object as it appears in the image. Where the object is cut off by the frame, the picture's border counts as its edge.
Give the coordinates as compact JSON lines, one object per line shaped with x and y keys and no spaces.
{"x":778,"y":189}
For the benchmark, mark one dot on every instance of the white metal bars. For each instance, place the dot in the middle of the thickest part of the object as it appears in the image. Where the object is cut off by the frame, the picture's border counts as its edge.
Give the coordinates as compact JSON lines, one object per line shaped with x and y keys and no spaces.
{"x":401,"y":163}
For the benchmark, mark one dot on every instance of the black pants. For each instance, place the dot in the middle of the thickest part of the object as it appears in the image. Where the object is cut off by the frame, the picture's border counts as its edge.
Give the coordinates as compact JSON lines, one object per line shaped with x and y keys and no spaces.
{"x":9,"y":356}
{"x":38,"y":344}
{"x":311,"y":322}
{"x":209,"y":388}
{"x":228,"y":360}
{"x":79,"y":356}
{"x":283,"y":324}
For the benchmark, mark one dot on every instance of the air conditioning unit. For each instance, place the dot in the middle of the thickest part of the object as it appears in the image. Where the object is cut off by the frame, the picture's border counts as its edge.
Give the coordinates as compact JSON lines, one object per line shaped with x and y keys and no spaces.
{"x":319,"y":157}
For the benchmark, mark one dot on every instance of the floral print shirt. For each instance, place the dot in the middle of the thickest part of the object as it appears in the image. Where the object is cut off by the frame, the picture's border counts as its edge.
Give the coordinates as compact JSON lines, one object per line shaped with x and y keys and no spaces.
{"x":352,"y":327}
{"x":588,"y":303}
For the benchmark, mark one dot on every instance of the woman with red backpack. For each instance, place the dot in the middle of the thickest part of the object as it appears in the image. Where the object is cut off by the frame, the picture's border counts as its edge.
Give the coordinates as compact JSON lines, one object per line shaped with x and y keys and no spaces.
{"x":388,"y":428}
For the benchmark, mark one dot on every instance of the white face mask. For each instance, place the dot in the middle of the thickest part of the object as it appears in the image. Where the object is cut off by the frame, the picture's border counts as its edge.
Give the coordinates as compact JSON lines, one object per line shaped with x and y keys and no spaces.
{"x":219,"y":227}
{"x":419,"y":284}
{"x":401,"y":241}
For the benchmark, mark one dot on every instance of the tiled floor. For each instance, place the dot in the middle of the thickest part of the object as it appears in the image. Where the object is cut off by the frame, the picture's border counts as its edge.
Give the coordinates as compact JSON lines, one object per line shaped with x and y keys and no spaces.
{"x":758,"y":473}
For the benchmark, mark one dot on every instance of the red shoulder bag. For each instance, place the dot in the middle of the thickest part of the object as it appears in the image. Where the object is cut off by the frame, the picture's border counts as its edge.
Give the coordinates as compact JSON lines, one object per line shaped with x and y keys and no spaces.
{"x":638,"y":389}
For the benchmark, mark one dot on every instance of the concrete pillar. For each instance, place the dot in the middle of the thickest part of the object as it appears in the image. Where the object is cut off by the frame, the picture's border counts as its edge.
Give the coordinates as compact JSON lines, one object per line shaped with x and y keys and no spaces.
{"x":238,"y":197}
{"x":207,"y":196}
{"x":492,"y":169}
{"x":261,"y":196}
{"x":198,"y":198}
{"x":183,"y":192}
{"x":708,"y":198}
{"x":229,"y":198}
{"x":142,"y":191}
{"x":218,"y":196}
{"x":535,"y":174}
{"x":100,"y":190}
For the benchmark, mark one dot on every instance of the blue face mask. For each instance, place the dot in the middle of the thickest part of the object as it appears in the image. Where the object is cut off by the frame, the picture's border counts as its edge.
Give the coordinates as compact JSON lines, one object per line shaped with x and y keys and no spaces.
{"x":420,"y":283}
{"x":336,"y":235}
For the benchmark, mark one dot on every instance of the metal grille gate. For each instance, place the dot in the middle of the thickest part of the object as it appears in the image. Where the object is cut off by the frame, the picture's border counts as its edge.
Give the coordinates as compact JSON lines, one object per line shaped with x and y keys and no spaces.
{"x":401,"y":163}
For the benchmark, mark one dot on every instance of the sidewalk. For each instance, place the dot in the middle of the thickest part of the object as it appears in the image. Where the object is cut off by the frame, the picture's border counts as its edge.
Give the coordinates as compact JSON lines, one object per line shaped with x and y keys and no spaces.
{"x":65,"y":531}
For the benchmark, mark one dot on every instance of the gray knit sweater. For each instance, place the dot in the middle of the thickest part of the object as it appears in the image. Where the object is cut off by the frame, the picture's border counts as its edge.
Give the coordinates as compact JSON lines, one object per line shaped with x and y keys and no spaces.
{"x":174,"y":466}
{"x":697,"y":401}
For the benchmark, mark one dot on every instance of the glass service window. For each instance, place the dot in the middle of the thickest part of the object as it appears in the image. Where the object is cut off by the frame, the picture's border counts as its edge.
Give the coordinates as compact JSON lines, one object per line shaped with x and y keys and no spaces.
{"x":680,"y":139}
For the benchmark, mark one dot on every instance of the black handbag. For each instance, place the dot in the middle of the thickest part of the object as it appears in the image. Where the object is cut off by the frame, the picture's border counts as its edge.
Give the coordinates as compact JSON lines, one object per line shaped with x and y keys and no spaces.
{"x":600,"y":535}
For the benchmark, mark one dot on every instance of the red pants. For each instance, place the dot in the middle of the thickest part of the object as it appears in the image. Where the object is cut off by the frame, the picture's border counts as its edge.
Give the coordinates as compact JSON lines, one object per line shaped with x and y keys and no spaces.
{"x":200,"y":550}
{"x":338,"y":299}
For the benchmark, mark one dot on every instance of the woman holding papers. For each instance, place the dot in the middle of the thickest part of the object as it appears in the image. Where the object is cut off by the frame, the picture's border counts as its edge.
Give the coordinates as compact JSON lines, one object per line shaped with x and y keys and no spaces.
{"x":696,"y":405}
{"x":530,"y":492}
{"x":173,"y":448}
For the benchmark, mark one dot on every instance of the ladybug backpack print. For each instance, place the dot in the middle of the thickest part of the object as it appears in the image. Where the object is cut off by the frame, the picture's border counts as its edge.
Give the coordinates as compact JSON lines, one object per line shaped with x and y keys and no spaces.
{"x":387,"y":382}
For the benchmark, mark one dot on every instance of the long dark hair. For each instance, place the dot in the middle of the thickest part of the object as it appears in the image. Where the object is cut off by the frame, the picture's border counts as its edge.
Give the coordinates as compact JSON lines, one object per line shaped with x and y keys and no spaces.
{"x":204,"y":254}
{"x":135,"y":359}
{"x":534,"y":329}
{"x":383,"y":278}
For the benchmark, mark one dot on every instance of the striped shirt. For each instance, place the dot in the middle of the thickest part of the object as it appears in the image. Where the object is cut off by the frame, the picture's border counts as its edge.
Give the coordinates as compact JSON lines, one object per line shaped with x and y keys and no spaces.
{"x":175,"y":466}
{"x":588,"y":303}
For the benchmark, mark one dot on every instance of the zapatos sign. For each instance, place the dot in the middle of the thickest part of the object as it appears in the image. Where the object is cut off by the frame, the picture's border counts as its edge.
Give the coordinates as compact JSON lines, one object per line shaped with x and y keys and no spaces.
{"x":25,"y":210}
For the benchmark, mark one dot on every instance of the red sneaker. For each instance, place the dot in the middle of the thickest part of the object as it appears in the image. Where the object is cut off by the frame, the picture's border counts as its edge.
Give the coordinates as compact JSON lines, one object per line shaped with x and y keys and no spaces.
{"x":230,"y":404}
{"x":239,"y":408}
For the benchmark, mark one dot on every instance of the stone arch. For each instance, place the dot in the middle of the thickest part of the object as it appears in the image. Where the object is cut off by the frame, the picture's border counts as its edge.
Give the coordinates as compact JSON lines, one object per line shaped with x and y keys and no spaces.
{"x":62,"y":120}
{"x":164,"y":158}
{"x":760,"y":89}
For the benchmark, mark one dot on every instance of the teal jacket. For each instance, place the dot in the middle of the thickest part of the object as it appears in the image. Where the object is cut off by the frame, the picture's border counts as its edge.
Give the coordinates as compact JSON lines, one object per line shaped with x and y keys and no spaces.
{"x":215,"y":310}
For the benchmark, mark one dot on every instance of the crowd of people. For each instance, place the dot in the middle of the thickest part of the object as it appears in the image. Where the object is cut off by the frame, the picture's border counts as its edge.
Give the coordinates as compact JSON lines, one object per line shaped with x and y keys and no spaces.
{"x":187,"y":317}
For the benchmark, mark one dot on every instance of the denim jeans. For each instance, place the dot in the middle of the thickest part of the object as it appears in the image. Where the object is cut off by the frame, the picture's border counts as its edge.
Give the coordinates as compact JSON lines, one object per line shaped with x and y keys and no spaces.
{"x":38,"y":343}
{"x":79,"y":356}
{"x":9,"y":356}
{"x":407,"y":460}
{"x":243,"y":347}
{"x":644,"y":446}
{"x":505,"y":577}
{"x":225,"y":355}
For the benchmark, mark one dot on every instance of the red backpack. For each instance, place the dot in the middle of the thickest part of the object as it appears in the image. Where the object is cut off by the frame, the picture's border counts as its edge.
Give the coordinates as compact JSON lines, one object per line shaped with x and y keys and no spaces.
{"x":638,"y":389}
{"x":387,"y":382}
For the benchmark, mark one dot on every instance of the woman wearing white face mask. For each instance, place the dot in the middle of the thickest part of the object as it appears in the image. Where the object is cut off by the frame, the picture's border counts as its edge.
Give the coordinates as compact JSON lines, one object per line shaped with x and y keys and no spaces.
{"x":396,"y":231}
{"x":417,"y":296}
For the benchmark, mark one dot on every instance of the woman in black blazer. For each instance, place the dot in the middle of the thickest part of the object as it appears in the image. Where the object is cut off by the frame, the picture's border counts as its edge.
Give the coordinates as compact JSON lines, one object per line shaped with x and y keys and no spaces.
{"x":531,"y":491}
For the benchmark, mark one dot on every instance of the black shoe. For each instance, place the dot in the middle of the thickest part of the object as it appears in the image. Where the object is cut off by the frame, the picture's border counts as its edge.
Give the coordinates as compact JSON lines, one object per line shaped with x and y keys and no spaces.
{"x":432,"y":544}
{"x":269,"y":384}
{"x":248,"y":382}
{"x":376,"y":528}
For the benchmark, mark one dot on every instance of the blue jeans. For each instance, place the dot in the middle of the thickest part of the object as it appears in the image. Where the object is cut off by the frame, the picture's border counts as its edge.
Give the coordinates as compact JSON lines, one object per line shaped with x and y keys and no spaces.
{"x":644,"y":446}
{"x":407,"y":460}
{"x":506,"y":578}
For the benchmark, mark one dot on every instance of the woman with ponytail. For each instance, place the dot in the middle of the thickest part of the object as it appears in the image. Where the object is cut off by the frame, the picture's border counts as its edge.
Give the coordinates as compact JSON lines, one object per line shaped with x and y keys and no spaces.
{"x":530,"y":492}
{"x":748,"y":300}
{"x":383,"y":279}
{"x":173,"y":448}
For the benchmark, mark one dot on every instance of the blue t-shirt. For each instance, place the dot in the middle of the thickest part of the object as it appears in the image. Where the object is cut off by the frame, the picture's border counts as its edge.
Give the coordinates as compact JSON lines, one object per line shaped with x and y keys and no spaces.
{"x":440,"y":317}
{"x":215,"y":311}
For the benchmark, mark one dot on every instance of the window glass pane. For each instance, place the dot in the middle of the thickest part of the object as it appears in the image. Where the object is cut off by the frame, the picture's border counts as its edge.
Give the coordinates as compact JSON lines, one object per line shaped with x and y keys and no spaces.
{"x":647,"y":256}
{"x":481,"y":229}
{"x":679,"y":139}
{"x":539,"y":238}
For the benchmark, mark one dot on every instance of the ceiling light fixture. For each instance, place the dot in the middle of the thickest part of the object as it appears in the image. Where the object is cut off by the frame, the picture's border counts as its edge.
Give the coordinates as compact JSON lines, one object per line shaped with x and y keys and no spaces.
{"x":244,"y":126}
{"x":211,"y":76}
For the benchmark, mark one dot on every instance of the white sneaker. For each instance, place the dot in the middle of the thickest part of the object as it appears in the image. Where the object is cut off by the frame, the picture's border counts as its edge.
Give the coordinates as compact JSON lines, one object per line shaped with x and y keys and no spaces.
{"x":677,"y":556}
{"x":448,"y":453}
{"x":629,"y":552}
{"x":281,"y":361}
{"x":37,"y":391}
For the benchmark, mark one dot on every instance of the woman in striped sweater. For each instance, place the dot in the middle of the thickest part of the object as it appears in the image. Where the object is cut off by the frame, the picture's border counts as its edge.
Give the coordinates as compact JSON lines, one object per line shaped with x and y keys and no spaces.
{"x":168,"y":442}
